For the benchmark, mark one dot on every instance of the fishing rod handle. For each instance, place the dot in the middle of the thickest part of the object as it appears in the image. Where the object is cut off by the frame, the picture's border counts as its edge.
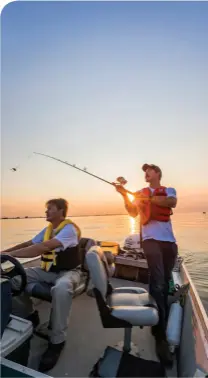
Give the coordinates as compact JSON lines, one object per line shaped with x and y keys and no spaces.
{"x":126,"y":190}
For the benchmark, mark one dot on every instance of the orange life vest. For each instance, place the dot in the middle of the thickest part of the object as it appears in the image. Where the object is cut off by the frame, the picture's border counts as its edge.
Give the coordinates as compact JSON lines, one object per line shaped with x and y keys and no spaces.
{"x":150,"y":211}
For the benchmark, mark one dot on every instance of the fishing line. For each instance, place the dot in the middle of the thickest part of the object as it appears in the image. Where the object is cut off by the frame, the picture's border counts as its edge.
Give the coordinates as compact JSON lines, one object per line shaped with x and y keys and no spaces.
{"x":120,"y":180}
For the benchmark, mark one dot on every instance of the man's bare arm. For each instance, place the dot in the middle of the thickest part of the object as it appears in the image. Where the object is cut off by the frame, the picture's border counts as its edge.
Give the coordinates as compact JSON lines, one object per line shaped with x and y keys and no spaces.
{"x":36,"y":249}
{"x":164,"y":201}
{"x":130,"y":207}
{"x":18,"y":246}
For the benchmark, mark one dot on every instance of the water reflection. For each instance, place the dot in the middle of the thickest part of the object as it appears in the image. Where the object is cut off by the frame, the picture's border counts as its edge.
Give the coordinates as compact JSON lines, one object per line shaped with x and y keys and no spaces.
{"x":133,"y":225}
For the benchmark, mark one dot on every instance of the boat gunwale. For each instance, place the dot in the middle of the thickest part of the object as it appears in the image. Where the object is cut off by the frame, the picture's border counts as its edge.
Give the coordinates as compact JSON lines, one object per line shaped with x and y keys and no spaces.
{"x":198,"y":305}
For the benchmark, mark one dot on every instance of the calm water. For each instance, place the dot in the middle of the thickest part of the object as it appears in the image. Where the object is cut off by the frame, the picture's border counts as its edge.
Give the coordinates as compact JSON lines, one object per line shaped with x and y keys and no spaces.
{"x":191,"y":231}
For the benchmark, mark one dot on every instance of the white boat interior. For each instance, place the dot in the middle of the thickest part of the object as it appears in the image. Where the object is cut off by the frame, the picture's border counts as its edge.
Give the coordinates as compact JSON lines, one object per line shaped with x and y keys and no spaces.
{"x":87,"y":339}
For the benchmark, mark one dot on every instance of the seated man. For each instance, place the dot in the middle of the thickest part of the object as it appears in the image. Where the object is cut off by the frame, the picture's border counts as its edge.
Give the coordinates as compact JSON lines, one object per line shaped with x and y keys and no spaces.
{"x":60,"y":266}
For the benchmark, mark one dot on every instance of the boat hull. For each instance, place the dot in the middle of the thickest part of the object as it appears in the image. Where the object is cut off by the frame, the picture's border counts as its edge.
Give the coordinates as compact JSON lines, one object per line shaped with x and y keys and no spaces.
{"x":193,"y":351}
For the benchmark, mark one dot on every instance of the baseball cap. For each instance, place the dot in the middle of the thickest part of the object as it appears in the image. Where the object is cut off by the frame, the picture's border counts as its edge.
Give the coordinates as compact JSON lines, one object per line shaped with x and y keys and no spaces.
{"x":152,"y":166}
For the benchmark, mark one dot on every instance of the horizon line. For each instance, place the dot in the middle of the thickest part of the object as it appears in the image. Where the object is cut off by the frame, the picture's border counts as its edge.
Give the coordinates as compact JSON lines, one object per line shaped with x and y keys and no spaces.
{"x":88,"y":215}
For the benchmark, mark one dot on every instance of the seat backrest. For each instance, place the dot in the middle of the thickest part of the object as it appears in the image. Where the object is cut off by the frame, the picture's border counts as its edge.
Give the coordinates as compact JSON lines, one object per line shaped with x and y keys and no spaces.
{"x":97,"y":265}
{"x":84,"y":246}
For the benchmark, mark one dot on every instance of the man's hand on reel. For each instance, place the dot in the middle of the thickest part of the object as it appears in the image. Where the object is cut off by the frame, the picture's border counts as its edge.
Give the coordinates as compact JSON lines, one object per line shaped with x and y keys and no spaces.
{"x":119,"y":185}
{"x":120,"y":189}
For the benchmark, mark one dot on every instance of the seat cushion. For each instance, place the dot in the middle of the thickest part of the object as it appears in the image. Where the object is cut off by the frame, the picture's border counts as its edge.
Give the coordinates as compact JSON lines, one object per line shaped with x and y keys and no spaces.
{"x":131,"y":299}
{"x":136,"y":316}
{"x":130,"y":289}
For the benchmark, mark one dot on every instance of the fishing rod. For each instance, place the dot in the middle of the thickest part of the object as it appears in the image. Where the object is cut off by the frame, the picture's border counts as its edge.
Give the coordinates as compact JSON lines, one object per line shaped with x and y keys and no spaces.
{"x":120,"y":180}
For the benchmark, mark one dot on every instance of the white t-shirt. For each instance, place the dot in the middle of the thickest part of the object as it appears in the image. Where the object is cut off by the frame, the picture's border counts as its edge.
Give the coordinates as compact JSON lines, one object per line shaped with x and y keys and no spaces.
{"x":67,"y":236}
{"x":154,"y":229}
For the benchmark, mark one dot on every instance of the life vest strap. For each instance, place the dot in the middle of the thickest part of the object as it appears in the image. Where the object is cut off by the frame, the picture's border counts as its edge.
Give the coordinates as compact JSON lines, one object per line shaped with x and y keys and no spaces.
{"x":45,"y":259}
{"x":51,"y":256}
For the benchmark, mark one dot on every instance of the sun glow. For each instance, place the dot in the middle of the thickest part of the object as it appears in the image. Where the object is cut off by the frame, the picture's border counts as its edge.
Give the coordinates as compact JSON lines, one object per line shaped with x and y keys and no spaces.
{"x":133,"y":225}
{"x":130,"y":196}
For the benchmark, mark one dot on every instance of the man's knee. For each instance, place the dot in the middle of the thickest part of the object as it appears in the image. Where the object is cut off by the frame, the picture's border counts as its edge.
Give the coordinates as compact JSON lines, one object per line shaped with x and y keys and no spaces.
{"x":62,"y":288}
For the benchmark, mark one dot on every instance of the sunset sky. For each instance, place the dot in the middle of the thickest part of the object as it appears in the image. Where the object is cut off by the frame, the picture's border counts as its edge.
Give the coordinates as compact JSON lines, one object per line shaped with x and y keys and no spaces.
{"x":107,"y":86}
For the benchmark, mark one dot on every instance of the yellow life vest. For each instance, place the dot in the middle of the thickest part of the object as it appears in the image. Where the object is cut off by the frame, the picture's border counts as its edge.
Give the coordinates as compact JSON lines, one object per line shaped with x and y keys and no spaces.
{"x":51,"y":256}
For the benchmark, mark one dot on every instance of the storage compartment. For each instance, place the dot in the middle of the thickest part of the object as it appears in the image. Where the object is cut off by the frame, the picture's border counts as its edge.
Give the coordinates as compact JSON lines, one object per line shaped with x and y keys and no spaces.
{"x":15,"y":343}
{"x":126,"y":272}
{"x":143,"y":276}
{"x":130,"y":269}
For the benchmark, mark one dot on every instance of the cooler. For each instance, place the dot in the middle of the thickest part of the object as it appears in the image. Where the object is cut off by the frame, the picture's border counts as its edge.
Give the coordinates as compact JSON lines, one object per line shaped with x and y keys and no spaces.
{"x":15,"y":342}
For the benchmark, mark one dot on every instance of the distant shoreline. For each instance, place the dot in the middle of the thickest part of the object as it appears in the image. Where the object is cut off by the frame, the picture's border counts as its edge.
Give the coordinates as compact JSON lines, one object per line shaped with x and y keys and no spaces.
{"x":94,"y":215}
{"x":71,"y":216}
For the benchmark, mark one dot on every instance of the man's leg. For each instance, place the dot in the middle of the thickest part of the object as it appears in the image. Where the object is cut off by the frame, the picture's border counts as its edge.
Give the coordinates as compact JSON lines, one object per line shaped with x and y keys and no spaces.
{"x":154,"y":255}
{"x":22,"y":304}
{"x":62,"y":294}
{"x":170,"y":251}
{"x":154,"y":258}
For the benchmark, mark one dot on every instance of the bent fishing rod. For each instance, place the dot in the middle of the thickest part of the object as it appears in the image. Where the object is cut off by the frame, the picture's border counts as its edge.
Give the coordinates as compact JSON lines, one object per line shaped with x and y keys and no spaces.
{"x":120,"y":180}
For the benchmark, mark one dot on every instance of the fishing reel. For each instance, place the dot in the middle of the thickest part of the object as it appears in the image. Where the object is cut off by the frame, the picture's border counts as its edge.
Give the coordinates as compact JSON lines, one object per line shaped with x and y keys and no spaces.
{"x":121,"y":181}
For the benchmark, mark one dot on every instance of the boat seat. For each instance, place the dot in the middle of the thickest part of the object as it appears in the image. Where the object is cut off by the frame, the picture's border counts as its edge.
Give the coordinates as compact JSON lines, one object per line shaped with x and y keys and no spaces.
{"x":123,"y":307}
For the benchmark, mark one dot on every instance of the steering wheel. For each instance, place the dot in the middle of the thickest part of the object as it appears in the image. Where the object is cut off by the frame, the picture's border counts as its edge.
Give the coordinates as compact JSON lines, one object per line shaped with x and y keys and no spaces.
{"x":10,"y":273}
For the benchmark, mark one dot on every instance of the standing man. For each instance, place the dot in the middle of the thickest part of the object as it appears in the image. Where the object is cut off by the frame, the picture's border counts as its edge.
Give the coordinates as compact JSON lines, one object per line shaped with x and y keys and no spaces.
{"x":57,"y":245}
{"x":154,"y":205}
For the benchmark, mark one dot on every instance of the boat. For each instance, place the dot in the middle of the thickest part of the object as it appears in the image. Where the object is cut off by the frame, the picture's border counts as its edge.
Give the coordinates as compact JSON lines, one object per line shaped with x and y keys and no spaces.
{"x":90,"y":344}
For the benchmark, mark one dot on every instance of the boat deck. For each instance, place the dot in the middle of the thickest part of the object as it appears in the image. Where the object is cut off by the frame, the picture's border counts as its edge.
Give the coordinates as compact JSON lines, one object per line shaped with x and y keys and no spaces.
{"x":87,"y":339}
